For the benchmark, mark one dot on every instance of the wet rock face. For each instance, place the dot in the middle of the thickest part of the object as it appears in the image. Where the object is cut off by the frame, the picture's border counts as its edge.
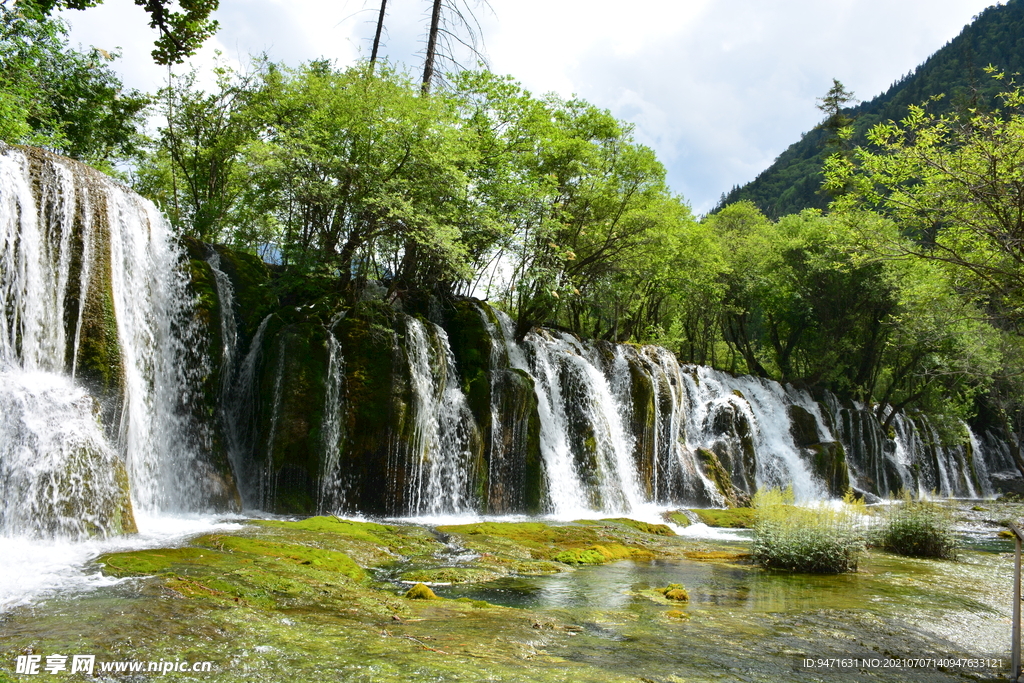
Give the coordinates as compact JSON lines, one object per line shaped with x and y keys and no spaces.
{"x":733,"y":446}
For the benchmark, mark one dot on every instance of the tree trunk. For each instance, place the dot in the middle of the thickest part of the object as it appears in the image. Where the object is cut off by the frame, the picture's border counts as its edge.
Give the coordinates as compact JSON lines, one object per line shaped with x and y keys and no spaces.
{"x":428,"y":65}
{"x":376,"y":37}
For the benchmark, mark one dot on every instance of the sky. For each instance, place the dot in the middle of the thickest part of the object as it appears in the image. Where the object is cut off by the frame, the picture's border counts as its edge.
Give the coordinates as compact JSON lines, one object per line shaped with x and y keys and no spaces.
{"x":718,"y":88}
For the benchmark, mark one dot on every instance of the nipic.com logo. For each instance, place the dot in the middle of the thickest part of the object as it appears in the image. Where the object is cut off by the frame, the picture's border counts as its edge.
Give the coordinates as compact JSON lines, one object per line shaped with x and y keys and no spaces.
{"x":55,"y":664}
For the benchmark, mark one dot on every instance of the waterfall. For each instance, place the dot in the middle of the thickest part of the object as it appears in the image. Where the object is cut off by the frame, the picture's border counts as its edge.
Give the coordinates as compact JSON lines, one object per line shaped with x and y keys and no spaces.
{"x":97,"y":326}
{"x":333,"y":486}
{"x":121,"y":386}
{"x":439,"y":451}
{"x":228,"y":322}
{"x":238,"y":414}
{"x":746,"y":420}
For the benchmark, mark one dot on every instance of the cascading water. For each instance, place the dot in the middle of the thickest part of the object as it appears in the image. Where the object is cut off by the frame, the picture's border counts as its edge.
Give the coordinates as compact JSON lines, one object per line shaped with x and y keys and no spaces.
{"x":103,"y":363}
{"x":676,"y":475}
{"x":333,"y":486}
{"x":565,"y":490}
{"x":439,"y":451}
{"x":746,"y":421}
{"x":91,"y":269}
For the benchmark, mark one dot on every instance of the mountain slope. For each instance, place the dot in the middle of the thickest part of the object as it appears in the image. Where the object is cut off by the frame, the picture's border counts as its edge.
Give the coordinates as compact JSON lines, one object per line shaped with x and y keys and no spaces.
{"x":996,"y":37}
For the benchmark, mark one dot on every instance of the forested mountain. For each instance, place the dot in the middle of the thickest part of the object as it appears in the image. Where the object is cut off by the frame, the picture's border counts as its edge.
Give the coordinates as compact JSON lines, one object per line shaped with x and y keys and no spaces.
{"x":995,"y":37}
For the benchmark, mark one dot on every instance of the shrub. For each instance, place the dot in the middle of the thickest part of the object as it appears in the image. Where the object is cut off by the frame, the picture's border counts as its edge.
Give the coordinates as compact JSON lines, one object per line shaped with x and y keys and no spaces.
{"x":918,"y":528}
{"x":820,"y":540}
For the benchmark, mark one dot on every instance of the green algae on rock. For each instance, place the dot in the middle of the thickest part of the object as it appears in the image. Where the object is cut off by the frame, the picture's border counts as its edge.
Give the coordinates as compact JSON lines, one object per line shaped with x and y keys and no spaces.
{"x":420,"y":591}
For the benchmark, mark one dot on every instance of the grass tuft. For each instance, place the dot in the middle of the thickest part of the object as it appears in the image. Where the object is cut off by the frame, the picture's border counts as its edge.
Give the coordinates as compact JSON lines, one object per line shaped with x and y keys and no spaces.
{"x":818,"y":540}
{"x":918,"y":528}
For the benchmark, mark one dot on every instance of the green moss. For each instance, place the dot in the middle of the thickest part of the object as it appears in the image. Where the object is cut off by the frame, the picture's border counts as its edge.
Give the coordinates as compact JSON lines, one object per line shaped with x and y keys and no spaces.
{"x":736,"y":518}
{"x":718,"y":474}
{"x":420,"y":592}
{"x":579,"y":556}
{"x":599,"y":554}
{"x":677,"y":517}
{"x":803,"y":427}
{"x":675,"y":591}
{"x":537,"y":548}
{"x":368,"y":543}
{"x":453,"y":575}
{"x":374,"y":385}
{"x":830,"y":465}
{"x":325,"y":560}
{"x":647,"y":528}
{"x":99,"y":352}
{"x":369,"y":531}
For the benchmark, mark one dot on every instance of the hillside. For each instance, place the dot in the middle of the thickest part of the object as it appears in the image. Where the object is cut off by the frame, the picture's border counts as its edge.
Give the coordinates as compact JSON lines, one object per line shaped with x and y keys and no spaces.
{"x":995,"y":37}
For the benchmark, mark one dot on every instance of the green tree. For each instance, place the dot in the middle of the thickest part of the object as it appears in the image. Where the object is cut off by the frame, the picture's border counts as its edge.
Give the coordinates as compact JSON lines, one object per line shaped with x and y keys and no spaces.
{"x":364,"y":178}
{"x":68,"y":101}
{"x":955,"y":186}
{"x":196,"y":169}
{"x":181,"y":32}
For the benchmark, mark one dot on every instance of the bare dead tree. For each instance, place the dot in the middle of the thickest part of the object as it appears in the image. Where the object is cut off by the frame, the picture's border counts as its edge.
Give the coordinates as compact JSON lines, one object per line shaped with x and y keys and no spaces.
{"x":380,"y":29}
{"x":453,"y":24}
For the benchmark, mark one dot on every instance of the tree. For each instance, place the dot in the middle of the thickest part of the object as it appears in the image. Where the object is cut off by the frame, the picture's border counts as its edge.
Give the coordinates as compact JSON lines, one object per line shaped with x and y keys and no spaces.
{"x":181,"y":32}
{"x":196,"y":169}
{"x":832,"y":104}
{"x":68,"y":101}
{"x":452,"y":23}
{"x":364,"y":179}
{"x":376,"y":35}
{"x":955,"y":186}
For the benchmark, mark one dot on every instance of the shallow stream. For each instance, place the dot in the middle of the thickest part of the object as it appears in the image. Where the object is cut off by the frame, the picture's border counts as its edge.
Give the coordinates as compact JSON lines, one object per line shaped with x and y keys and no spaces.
{"x":896,"y":619}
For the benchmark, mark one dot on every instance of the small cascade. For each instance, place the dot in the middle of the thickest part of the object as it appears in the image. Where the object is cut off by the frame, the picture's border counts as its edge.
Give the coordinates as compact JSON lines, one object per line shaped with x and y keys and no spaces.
{"x":333,"y":485}
{"x":265,"y":485}
{"x":564,"y":488}
{"x":441,"y":439}
{"x":910,"y":457}
{"x":228,"y":323}
{"x":513,"y":476}
{"x":677,"y":477}
{"x":238,"y":414}
{"x":979,"y":462}
{"x":582,"y":442}
{"x":59,"y":477}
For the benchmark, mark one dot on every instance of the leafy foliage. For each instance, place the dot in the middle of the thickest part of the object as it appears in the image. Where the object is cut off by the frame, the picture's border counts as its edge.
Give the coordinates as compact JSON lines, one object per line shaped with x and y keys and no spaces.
{"x":181,"y":32}
{"x":68,"y":101}
{"x":793,"y":182}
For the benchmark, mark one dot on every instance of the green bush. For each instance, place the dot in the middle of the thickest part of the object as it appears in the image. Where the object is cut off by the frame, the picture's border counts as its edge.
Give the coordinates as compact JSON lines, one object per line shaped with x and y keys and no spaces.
{"x":918,"y":528}
{"x":821,"y":540}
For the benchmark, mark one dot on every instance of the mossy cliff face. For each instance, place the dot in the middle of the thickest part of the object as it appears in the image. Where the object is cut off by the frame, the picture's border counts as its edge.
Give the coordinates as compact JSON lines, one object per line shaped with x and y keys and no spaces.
{"x":512,"y":479}
{"x":643,"y":424}
{"x":377,"y":407}
{"x":294,"y":380}
{"x":734,"y":446}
